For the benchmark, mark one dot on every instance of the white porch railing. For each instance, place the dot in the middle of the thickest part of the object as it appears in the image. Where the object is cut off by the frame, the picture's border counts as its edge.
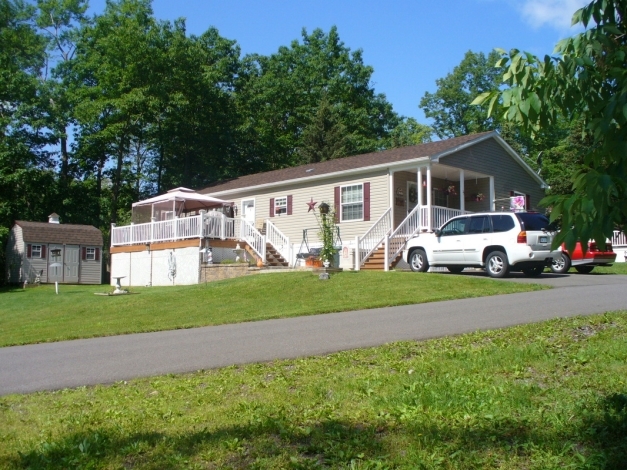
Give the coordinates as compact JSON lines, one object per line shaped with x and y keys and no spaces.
{"x":439,"y":215}
{"x":619,"y":239}
{"x":373,"y":238}
{"x":165,"y":230}
{"x":406,"y":229}
{"x":249,"y":234}
{"x":217,"y":225}
{"x":279,"y":241}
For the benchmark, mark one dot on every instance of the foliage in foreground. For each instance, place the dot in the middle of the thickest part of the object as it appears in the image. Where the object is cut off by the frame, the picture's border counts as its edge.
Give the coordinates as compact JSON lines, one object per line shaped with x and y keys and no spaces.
{"x":544,"y":396}
{"x":585,"y":82}
{"x":38,"y":315}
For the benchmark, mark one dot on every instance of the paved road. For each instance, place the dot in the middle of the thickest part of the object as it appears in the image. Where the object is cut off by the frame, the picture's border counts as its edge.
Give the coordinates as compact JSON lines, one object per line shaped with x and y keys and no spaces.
{"x":53,"y":366}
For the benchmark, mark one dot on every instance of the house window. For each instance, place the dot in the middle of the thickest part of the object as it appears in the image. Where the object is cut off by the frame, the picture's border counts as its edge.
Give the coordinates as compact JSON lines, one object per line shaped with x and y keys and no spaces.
{"x":35,"y":251}
{"x":352,"y":202}
{"x":280,"y":205}
{"x":91,"y":254}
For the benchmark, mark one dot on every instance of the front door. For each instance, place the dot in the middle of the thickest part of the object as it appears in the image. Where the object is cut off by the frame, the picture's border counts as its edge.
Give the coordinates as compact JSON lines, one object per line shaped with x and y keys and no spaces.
{"x":55,"y":263}
{"x":248,"y":210}
{"x":71,"y":264}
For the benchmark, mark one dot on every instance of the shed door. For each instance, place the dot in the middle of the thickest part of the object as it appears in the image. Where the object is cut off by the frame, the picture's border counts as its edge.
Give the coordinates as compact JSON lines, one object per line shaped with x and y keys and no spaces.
{"x":71,"y":264}
{"x":55,"y":263}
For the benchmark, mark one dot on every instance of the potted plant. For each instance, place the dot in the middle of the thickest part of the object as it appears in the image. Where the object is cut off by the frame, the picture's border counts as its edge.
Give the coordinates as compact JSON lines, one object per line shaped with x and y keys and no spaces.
{"x":450,"y":190}
{"x":479,"y":197}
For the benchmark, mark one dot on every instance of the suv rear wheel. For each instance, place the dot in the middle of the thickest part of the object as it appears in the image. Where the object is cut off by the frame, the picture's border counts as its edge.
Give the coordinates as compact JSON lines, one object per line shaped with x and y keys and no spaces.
{"x":418,"y":261}
{"x":496,"y":264}
{"x":560,"y":264}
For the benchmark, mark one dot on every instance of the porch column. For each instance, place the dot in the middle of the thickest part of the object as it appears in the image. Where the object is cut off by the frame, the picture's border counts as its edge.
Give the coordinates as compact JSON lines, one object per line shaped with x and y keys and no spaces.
{"x":492,"y":195}
{"x":429,"y":198}
{"x":462,"y":198}
{"x":392,"y":193}
{"x":419,"y":183}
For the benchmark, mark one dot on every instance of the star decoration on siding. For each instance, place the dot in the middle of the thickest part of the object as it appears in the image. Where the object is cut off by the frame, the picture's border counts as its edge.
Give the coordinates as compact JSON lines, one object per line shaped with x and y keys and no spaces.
{"x":311,"y":204}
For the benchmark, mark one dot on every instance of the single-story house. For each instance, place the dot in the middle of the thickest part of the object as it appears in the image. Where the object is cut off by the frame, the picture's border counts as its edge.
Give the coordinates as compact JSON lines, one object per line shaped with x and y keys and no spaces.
{"x":54,"y":252}
{"x":380,"y":199}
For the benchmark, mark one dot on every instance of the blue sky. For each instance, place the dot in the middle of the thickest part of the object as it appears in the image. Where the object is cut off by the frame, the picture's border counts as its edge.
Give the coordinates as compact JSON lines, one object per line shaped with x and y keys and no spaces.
{"x":408,"y":43}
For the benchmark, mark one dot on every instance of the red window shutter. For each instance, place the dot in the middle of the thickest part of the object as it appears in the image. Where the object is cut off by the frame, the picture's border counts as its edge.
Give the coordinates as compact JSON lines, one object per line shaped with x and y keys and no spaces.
{"x":289,"y":205}
{"x":336,"y":203}
{"x":527,"y":202}
{"x":366,"y":201}
{"x":97,"y":254}
{"x":29,"y":250}
{"x":84,"y":253}
{"x":43,"y":251}
{"x":272,"y":207}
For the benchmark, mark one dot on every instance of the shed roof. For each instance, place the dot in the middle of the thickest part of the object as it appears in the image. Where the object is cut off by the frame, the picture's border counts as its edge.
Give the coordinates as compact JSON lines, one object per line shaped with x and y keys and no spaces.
{"x":355,"y":162}
{"x":43,"y":232}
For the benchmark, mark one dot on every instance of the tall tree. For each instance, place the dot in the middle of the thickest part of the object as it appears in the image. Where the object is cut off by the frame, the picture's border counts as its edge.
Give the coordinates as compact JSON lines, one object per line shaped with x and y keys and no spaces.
{"x":279,"y":96}
{"x":586,"y":80}
{"x":110,"y":77}
{"x":450,"y":106}
{"x":409,"y":132}
{"x":325,"y":137}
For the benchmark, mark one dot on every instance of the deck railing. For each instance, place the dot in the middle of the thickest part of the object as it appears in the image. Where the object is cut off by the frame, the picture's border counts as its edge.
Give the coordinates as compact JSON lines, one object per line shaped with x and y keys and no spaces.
{"x":279,"y":241}
{"x":373,"y":238}
{"x":439,"y":215}
{"x":619,"y":239}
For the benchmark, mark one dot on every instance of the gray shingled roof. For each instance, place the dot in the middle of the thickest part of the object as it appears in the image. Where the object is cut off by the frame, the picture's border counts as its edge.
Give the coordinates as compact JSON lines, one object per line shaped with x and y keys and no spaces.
{"x":42,"y":232}
{"x":343,"y":164}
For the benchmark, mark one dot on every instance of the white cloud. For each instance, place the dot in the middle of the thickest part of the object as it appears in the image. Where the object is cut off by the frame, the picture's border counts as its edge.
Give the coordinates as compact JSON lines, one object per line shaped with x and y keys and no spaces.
{"x":554,"y":13}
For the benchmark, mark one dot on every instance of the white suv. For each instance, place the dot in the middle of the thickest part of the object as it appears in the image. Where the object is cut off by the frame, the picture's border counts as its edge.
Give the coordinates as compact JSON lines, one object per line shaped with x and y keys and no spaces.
{"x":500,"y":242}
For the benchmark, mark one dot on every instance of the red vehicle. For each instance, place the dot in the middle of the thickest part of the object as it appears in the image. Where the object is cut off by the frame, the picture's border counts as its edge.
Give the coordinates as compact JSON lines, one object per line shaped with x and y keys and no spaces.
{"x":583,"y":263}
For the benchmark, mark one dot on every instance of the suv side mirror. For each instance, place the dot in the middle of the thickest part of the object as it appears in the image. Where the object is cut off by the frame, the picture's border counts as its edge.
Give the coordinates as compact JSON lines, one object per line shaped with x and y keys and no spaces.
{"x":437,"y":232}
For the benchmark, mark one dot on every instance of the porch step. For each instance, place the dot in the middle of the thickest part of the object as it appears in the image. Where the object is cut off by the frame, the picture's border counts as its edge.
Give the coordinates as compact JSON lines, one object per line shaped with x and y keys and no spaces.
{"x":273,"y":257}
{"x":376,"y":261}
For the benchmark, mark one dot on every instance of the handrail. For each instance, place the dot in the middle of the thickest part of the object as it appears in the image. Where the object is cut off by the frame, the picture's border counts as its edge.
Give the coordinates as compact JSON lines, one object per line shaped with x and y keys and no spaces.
{"x":249,"y":234}
{"x":279,"y":241}
{"x":406,"y":229}
{"x":373,"y":237}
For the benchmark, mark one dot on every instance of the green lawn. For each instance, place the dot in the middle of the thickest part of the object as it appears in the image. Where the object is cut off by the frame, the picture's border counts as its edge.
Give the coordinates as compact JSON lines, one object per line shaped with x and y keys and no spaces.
{"x":551,"y":395}
{"x":38,"y":315}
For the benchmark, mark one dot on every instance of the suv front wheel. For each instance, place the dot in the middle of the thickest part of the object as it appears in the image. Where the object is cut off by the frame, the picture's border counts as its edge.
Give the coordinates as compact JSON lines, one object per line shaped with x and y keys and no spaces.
{"x":418,"y":261}
{"x":496,"y":264}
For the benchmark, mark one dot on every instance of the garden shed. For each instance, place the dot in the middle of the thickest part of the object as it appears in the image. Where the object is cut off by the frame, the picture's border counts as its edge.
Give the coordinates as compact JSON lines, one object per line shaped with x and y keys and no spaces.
{"x":54,"y":252}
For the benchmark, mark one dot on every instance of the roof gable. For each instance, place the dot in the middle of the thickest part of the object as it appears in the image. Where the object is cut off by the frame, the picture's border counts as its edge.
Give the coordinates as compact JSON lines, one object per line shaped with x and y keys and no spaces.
{"x":43,"y":232}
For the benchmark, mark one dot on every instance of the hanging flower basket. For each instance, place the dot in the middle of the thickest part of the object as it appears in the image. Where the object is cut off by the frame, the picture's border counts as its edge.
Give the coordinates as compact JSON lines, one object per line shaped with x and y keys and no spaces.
{"x":450,"y":190}
{"x":479,"y":197}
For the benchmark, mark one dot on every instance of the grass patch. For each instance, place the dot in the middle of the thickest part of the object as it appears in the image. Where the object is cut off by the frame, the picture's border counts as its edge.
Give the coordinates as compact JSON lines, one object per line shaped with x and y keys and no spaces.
{"x":550,"y":395}
{"x":616,"y":268}
{"x":38,"y":315}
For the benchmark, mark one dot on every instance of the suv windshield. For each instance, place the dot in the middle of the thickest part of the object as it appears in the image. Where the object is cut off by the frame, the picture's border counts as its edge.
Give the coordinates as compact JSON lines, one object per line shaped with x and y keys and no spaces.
{"x":532,"y":221}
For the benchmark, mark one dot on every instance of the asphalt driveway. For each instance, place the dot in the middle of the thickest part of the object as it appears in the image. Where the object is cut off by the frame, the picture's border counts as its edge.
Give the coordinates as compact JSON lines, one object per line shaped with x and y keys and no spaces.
{"x":51,"y":366}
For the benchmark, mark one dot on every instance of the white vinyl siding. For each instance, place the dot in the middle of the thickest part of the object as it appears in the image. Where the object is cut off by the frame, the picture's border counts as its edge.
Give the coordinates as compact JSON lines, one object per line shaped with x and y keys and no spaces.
{"x":352,"y":202}
{"x":318,"y":191}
